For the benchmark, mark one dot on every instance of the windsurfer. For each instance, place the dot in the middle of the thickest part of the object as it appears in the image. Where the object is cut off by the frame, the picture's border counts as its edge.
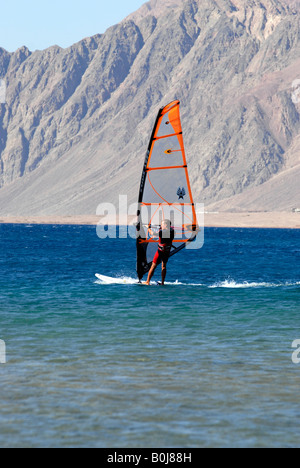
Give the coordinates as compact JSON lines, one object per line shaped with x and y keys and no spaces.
{"x":166,"y":237}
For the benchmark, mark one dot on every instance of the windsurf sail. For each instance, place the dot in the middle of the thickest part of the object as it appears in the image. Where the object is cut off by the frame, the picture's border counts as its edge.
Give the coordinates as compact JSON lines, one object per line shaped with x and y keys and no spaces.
{"x":165,"y":190}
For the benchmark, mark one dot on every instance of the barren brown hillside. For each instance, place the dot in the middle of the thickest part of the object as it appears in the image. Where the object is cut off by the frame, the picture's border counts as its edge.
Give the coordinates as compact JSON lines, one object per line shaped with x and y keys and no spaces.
{"x":76,"y":122}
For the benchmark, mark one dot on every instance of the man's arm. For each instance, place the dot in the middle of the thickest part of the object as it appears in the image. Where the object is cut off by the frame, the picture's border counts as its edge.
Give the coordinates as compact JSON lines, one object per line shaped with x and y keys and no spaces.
{"x":151,"y":232}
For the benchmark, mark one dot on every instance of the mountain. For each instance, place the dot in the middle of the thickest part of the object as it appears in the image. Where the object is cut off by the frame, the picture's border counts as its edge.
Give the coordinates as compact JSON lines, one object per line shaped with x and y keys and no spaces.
{"x":76,"y":123}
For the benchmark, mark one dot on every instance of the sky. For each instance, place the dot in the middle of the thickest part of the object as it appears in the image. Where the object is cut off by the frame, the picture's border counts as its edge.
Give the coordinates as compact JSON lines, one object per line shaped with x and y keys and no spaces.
{"x":39,"y":25}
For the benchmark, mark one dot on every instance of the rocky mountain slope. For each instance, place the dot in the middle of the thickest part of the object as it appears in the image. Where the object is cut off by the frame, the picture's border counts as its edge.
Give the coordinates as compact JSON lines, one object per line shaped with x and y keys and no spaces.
{"x":76,"y":122}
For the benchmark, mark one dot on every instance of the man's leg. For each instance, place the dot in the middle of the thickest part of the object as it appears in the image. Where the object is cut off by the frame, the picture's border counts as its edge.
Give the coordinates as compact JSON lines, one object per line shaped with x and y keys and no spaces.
{"x":163,"y":272}
{"x":151,"y":273}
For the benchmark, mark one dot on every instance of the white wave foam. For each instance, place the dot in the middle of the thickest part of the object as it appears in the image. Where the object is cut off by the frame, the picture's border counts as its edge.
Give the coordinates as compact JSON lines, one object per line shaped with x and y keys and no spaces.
{"x":233,"y":284}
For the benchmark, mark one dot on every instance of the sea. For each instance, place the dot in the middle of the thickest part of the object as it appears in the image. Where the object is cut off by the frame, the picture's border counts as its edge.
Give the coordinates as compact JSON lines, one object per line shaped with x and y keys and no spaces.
{"x":212,"y":359}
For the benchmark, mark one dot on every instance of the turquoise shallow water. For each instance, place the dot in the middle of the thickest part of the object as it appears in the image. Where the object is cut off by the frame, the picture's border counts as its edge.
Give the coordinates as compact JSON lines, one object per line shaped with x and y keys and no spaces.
{"x":205,"y":361}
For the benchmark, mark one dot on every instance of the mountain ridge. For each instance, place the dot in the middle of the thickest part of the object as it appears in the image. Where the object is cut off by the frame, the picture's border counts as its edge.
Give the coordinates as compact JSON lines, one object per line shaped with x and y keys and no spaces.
{"x":77,"y":121}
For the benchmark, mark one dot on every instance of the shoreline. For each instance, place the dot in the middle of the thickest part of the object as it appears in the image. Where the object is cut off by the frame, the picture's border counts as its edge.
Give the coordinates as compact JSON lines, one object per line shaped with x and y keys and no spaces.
{"x":263,"y":220}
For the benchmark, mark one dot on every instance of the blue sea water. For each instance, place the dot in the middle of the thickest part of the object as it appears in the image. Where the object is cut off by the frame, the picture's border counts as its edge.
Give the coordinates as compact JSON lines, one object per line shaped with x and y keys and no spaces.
{"x":205,"y":361}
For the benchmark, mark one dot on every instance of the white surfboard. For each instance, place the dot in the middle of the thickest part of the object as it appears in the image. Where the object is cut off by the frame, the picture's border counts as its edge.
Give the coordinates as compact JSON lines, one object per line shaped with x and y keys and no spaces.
{"x":125,"y":280}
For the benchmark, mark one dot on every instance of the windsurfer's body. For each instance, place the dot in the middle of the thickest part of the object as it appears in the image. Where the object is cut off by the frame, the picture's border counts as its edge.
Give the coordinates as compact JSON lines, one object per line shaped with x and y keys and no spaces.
{"x":166,"y":237}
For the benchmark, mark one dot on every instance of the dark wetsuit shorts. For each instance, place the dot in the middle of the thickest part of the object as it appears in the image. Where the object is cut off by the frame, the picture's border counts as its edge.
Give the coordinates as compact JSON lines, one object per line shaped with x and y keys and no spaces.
{"x":161,"y":256}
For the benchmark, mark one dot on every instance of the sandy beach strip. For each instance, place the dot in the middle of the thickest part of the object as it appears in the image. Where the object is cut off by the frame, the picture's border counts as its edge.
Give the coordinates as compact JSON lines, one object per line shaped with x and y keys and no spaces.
{"x":279,"y":220}
{"x":275,"y":220}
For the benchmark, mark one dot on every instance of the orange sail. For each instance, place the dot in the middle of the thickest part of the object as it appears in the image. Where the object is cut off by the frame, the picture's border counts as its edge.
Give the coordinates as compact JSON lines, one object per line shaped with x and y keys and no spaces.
{"x":165,"y":190}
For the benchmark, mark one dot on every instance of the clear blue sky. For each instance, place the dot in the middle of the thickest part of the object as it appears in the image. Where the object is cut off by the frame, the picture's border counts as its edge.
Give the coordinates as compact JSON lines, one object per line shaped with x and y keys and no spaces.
{"x":39,"y":24}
